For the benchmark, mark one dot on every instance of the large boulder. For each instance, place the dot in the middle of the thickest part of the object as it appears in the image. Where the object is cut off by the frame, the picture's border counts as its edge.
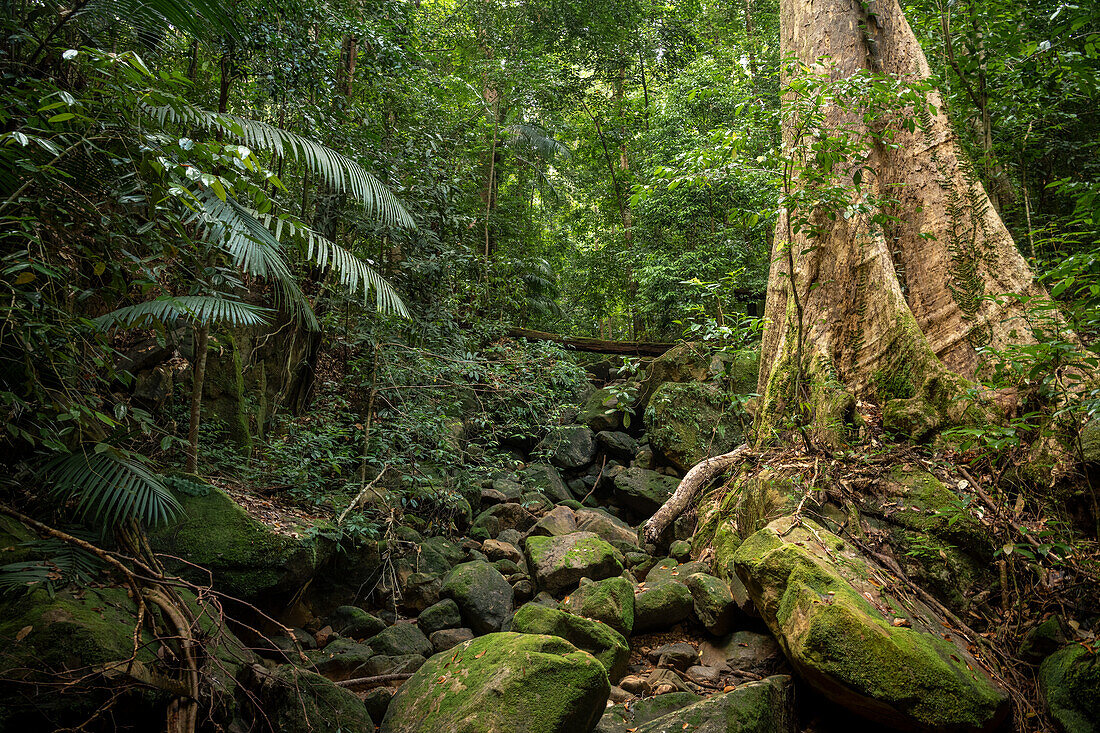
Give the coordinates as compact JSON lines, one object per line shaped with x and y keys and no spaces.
{"x":644,"y":491}
{"x":688,"y":422}
{"x":714,"y":604}
{"x":609,"y":601}
{"x":296,"y":700}
{"x":246,"y":559}
{"x":626,"y":718}
{"x":443,"y":615}
{"x":609,"y":528}
{"x":399,"y":639}
{"x":661,"y":606}
{"x":482,"y":594}
{"x":601,"y":641}
{"x":766,"y":706}
{"x":743,"y":650}
{"x":601,"y":411}
{"x":883,"y":658}
{"x":502,"y":683}
{"x":559,"y":563}
{"x":1070,"y":681}
{"x":546,"y":480}
{"x":502,"y":517}
{"x":570,"y":447}
{"x":560,"y":520}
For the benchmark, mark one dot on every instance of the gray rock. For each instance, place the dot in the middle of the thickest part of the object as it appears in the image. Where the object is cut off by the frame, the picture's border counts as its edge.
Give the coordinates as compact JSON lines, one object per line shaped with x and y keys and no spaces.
{"x":354,"y":622}
{"x":644,"y":491}
{"x":617,"y":444}
{"x":444,"y":639}
{"x":570,"y":448}
{"x":443,"y":615}
{"x":680,"y":655}
{"x":714,"y":604}
{"x":560,"y":520}
{"x":766,"y":706}
{"x":401,"y":639}
{"x":743,"y":650}
{"x":482,"y":594}
{"x":559,"y":563}
{"x":496,"y":519}
{"x":612,"y":529}
{"x":497,"y":550}
{"x":545,"y":479}
{"x":661,"y":607}
{"x":421,"y":590}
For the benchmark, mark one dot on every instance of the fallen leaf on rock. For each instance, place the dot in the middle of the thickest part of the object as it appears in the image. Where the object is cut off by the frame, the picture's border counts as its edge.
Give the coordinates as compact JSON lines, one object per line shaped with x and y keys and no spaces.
{"x":23,"y":633}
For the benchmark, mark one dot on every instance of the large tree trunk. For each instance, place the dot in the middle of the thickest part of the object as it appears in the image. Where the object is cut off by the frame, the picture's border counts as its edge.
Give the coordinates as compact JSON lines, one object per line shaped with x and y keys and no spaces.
{"x":886,"y":313}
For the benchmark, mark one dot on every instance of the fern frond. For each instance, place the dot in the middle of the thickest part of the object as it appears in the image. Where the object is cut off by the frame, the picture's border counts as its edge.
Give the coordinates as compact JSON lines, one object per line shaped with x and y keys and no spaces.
{"x":200,"y":18}
{"x":203,"y":309}
{"x":59,"y":563}
{"x":351,"y":271}
{"x":528,"y":136}
{"x":109,"y":488}
{"x":336,"y":170}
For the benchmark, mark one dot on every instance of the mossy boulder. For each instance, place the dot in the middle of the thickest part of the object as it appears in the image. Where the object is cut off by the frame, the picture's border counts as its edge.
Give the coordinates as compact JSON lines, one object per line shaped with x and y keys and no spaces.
{"x":482,"y":594}
{"x":295,"y":700}
{"x":497,"y":519}
{"x":545,"y":479}
{"x":766,"y":706}
{"x":443,"y":615}
{"x":354,"y":622}
{"x":569,"y":447}
{"x":609,"y":601}
{"x":341,"y":659}
{"x":502,"y":683}
{"x":643,"y":491}
{"x":601,"y":411}
{"x":661,"y":606}
{"x":610,"y":528}
{"x":401,"y":638}
{"x":626,"y":718}
{"x":1070,"y":682}
{"x":712,"y":601}
{"x":248,"y":560}
{"x":687,"y":422}
{"x":559,"y":563}
{"x":866,"y":650}
{"x":601,"y":641}
{"x":559,"y":521}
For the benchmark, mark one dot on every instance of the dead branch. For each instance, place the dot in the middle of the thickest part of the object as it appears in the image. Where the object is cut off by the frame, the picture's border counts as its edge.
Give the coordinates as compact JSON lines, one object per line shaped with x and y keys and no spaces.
{"x":360,"y":495}
{"x":699,"y":476}
{"x":375,"y":681}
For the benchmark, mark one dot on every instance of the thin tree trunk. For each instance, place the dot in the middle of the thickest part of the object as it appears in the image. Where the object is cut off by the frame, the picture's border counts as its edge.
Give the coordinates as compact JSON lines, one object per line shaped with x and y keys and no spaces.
{"x":198,"y":377}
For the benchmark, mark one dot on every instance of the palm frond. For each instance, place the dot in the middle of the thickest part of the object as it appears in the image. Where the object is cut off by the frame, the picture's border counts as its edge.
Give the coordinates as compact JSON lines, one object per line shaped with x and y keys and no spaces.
{"x":351,"y":271}
{"x":528,"y":136}
{"x":59,"y":564}
{"x":109,"y":488}
{"x":337,"y":171}
{"x":203,"y":309}
{"x":254,"y":249}
{"x":205,"y":19}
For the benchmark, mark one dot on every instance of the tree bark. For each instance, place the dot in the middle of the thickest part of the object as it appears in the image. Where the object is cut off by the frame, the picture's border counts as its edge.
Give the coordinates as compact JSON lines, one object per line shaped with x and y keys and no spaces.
{"x":699,"y":476}
{"x":198,"y":377}
{"x":887,"y":312}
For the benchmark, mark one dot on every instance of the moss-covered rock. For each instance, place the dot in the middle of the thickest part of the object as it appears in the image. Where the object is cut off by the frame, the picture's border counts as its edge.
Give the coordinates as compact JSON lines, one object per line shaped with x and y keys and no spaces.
{"x":601,"y":411}
{"x":296,"y":700}
{"x":688,"y":422}
{"x":546,"y":480}
{"x":502,"y":683}
{"x":643,"y":491}
{"x":482,"y":594}
{"x":661,"y":606}
{"x":443,"y":615}
{"x":713,"y":602}
{"x":766,"y":706}
{"x":609,"y":528}
{"x":569,"y":447}
{"x":560,"y":520}
{"x":401,"y":638}
{"x":501,"y":517}
{"x":354,"y":622}
{"x":601,"y":641}
{"x":1070,"y":681}
{"x":559,"y":563}
{"x":609,"y":601}
{"x":247,"y":559}
{"x":837,"y":629}
{"x":626,"y":718}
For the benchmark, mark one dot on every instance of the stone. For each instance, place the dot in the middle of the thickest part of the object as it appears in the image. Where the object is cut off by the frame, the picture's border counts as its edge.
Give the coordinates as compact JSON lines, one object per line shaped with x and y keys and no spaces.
{"x":669,"y":569}
{"x":713,"y":603}
{"x":382,"y":664}
{"x":664,"y":681}
{"x":643,"y":458}
{"x":437,"y":555}
{"x":623,"y":719}
{"x":680,"y":655}
{"x":680,"y":550}
{"x":766,"y":706}
{"x":502,"y":683}
{"x":1043,"y":640}
{"x":609,"y":528}
{"x":508,"y":568}
{"x":704,"y":675}
{"x":661,"y":607}
{"x":570,"y":447}
{"x":617,"y":444}
{"x":545,"y":479}
{"x":604,"y":643}
{"x":420,"y":591}
{"x":296,"y":700}
{"x":633,"y":684}
{"x":609,"y":601}
{"x":536,"y":503}
{"x":491,"y":497}
{"x":482,"y":594}
{"x":688,"y":422}
{"x":512,"y":537}
{"x":523,"y":590}
{"x":376,"y":702}
{"x":643,"y":491}
{"x":743,"y":650}
{"x":511,"y":490}
{"x":245,"y":558}
{"x":558,"y":521}
{"x":497,"y":550}
{"x":558,"y":563}
{"x":354,"y":622}
{"x":401,"y":638}
{"x":838,"y":631}
{"x":444,"y":639}
{"x":1070,"y":682}
{"x":442,"y":615}
{"x":342,"y":659}
{"x":496,"y":519}
{"x":599,"y":412}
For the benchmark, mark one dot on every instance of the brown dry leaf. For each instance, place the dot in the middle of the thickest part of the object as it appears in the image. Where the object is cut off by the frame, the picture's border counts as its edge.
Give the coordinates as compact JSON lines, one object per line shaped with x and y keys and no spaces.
{"x":728,"y":688}
{"x":480,"y":654}
{"x":23,"y":633}
{"x":441,"y":680}
{"x":901,"y":622}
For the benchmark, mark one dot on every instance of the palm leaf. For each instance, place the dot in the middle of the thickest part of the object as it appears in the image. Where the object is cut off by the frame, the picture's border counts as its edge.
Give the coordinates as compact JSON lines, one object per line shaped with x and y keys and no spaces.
{"x":109,"y":488}
{"x":207,"y":19}
{"x":254,"y":249}
{"x":351,"y":271}
{"x":203,"y":309}
{"x":340,"y":173}
{"x":59,"y":563}
{"x":524,"y":135}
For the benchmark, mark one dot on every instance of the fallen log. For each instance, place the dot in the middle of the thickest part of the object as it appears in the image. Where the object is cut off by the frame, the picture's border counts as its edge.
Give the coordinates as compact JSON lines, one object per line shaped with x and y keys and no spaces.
{"x":595,"y":346}
{"x":699,"y":476}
